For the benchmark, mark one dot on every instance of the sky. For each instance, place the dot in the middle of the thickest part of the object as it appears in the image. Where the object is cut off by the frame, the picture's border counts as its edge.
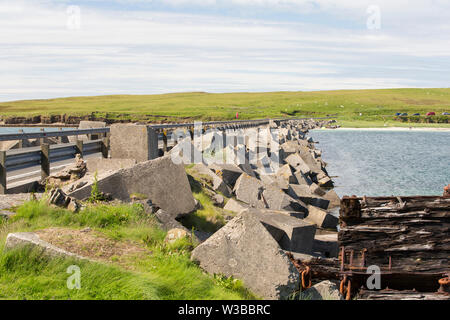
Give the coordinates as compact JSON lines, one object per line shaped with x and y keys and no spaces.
{"x":51,"y":48}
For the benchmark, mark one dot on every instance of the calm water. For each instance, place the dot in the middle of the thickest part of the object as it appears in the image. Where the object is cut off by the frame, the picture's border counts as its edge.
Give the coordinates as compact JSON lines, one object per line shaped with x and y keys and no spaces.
{"x":4,"y":130}
{"x":384,"y":163}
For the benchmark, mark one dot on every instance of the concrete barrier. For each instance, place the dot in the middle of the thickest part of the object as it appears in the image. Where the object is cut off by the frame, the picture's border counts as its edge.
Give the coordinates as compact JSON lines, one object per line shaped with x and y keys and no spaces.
{"x":130,"y":141}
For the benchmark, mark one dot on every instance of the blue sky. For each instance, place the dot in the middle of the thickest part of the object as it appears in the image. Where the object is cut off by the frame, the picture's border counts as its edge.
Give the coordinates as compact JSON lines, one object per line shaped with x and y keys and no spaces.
{"x":160,"y":46}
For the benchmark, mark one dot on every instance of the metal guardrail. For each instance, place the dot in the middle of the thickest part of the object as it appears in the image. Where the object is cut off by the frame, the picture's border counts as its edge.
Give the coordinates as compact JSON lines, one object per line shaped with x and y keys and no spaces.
{"x":106,"y":130}
{"x":44,"y":155}
{"x":50,"y":134}
{"x":23,"y":158}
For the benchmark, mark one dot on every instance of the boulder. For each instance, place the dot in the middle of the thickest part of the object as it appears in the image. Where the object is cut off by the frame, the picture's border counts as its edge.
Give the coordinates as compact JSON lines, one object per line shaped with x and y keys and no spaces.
{"x":160,"y":180}
{"x":325,"y":290}
{"x":175,"y":234}
{"x":244,"y":249}
{"x":321,"y":218}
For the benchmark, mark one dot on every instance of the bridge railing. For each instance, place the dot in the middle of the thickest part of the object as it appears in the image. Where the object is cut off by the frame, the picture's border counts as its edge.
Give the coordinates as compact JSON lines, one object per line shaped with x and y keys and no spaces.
{"x":46,"y":154}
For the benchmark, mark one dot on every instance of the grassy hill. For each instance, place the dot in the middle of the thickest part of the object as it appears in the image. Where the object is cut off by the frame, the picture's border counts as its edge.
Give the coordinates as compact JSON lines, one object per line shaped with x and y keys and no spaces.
{"x":375,"y":106}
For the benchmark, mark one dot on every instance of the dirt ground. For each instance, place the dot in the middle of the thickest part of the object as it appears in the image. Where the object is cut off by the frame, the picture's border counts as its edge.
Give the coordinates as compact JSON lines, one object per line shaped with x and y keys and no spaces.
{"x":92,"y":244}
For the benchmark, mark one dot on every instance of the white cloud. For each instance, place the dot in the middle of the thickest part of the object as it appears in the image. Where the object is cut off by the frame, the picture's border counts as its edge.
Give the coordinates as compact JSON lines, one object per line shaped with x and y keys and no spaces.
{"x":149,"y":52}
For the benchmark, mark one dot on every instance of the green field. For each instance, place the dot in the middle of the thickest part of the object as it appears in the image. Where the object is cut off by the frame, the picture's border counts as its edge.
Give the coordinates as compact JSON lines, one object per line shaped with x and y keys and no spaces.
{"x":363,"y":108}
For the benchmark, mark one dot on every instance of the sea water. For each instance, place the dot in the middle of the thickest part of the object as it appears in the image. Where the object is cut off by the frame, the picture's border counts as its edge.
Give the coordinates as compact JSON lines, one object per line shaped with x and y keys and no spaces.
{"x":385,"y":163}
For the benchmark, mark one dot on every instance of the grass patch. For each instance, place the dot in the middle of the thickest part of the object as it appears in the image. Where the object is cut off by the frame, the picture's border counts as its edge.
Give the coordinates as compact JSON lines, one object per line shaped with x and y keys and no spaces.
{"x":163,"y":271}
{"x":347,"y":105}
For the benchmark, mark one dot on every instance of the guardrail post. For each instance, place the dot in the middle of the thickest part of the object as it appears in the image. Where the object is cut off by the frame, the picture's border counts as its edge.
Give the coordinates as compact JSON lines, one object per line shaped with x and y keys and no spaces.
{"x":164,"y":136}
{"x":153,"y":150}
{"x":79,"y":147}
{"x":105,"y":147}
{"x":21,"y":140}
{"x":41,"y":140}
{"x":60,"y":138}
{"x":45,"y":160}
{"x":2,"y":172}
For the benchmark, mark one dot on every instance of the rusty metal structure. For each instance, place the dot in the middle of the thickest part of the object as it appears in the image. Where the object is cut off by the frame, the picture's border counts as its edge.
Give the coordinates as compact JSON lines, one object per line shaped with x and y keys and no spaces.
{"x":406,"y":238}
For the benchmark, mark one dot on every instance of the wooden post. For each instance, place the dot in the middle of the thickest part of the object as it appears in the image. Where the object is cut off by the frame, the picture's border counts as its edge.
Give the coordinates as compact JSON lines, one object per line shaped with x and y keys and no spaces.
{"x":2,"y":172}
{"x":79,"y":147}
{"x":105,"y":147}
{"x":45,"y":160}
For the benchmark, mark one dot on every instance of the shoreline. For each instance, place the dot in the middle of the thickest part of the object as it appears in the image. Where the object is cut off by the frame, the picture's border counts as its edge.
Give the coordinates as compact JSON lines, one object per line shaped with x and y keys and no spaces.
{"x":390,"y":129}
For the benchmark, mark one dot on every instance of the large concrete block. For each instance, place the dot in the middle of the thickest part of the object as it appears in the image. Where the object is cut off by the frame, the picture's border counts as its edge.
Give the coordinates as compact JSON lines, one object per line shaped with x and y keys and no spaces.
{"x":334,"y":199}
{"x":321,"y":218}
{"x":216,"y":182}
{"x":304,"y":194}
{"x":287,"y":174}
{"x":86,"y":124}
{"x":162,"y":181}
{"x":102,"y":164}
{"x":244,"y":249}
{"x":253,"y":192}
{"x":292,"y":234}
{"x":327,"y":245}
{"x":130,"y":141}
{"x":30,"y":239}
{"x":235,"y":206}
{"x":298,"y":163}
{"x":228,"y":172}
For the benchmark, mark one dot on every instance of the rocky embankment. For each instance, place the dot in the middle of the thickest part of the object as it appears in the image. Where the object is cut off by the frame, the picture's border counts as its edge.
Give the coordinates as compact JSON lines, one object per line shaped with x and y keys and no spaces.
{"x":279,"y":208}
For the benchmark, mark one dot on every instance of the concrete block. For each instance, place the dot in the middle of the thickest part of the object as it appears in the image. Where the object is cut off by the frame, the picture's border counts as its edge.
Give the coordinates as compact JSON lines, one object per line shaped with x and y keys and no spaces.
{"x":253,"y":192}
{"x":304,"y":194}
{"x":287,"y":174}
{"x":244,"y":249}
{"x":292,"y":234}
{"x":327,"y":245}
{"x":334,"y":199}
{"x":130,"y":141}
{"x":298,"y":163}
{"x":30,"y":239}
{"x":162,"y":181}
{"x":102,"y":164}
{"x":321,"y":218}
{"x":216,"y":182}
{"x":235,"y":206}
{"x":228,"y":172}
